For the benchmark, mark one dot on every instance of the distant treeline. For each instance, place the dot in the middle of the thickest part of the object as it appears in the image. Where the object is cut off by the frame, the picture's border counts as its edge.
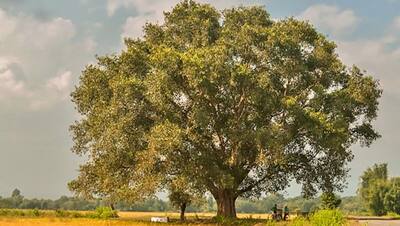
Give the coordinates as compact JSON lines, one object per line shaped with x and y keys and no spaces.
{"x":17,"y":201}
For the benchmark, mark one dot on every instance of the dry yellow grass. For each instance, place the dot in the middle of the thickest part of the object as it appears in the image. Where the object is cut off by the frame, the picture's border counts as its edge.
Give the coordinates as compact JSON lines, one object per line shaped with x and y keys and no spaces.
{"x":92,"y":222}
{"x":67,"y":222}
{"x":148,"y":215}
{"x":126,"y":219}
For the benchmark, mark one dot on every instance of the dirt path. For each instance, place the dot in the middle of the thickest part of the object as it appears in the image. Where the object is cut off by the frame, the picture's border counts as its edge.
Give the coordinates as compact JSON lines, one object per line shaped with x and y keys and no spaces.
{"x":380,"y":222}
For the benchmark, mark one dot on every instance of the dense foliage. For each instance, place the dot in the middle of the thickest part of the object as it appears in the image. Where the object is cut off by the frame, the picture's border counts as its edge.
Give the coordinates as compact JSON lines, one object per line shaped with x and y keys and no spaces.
{"x":298,"y":204}
{"x":98,"y":213}
{"x":380,"y":193}
{"x":182,"y":194}
{"x":17,"y":201}
{"x":330,"y":201}
{"x":328,"y":218}
{"x":392,"y":197}
{"x":234,"y":101}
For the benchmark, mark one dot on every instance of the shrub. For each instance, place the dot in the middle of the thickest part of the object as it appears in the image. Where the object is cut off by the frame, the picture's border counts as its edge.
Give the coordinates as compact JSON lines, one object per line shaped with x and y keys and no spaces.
{"x":300,"y":221}
{"x":35,"y":213}
{"x":376,"y":198}
{"x":392,"y":197}
{"x":75,"y":214}
{"x":270,"y":223}
{"x":4,"y":212}
{"x":60,"y":213}
{"x":104,"y":213}
{"x":330,"y":201}
{"x":328,"y":218}
{"x":392,"y":214}
{"x":20,"y":213}
{"x":221,"y":220}
{"x":70,"y":214}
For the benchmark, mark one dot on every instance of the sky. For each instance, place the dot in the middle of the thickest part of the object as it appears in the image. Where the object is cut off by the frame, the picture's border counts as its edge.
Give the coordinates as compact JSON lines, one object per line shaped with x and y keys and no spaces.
{"x":45,"y":44}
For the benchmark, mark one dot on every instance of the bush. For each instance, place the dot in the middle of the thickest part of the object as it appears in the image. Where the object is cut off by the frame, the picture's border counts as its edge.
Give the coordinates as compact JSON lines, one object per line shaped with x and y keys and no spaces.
{"x":377,"y":198}
{"x":330,"y":201}
{"x":300,"y":221}
{"x":392,"y":214}
{"x":221,"y":220}
{"x":104,"y":213}
{"x":35,"y":213}
{"x":392,"y":198}
{"x":328,"y":218}
{"x":70,"y":214}
{"x":100,"y":213}
{"x":21,"y":213}
{"x":61,"y":213}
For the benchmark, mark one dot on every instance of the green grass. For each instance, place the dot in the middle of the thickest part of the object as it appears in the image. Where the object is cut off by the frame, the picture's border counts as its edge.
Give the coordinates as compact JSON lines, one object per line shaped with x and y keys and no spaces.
{"x":328,"y":218}
{"x":99,"y":213}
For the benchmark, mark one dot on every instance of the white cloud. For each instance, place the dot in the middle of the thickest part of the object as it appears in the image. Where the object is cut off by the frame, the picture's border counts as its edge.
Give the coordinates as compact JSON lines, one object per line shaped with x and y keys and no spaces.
{"x":133,"y":27}
{"x":32,"y":51}
{"x":44,"y":34}
{"x":141,"y":6}
{"x":396,"y":23}
{"x":26,"y":30}
{"x":89,"y":45}
{"x":7,"y":25}
{"x":84,"y":2}
{"x":377,"y":58}
{"x":112,"y":6}
{"x":331,"y":18}
{"x":148,"y":11}
{"x":55,"y":90}
{"x":14,"y":90}
{"x":152,"y":11}
{"x":158,"y":6}
{"x":10,"y":85}
{"x":60,"y":83}
{"x":380,"y":56}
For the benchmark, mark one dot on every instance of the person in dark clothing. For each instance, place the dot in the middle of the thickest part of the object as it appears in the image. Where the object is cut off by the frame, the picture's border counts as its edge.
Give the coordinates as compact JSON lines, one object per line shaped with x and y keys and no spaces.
{"x":274,"y":211}
{"x":285,"y":213}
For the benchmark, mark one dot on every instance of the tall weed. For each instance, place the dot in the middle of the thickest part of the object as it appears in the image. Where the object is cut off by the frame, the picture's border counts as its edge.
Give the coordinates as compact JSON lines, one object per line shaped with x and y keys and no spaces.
{"x":328,"y":218}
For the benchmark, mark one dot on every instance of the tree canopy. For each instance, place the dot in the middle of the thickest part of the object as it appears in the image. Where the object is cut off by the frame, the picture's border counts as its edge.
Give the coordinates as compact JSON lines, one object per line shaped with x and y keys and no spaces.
{"x":379,"y":193}
{"x":181,"y":195}
{"x":376,"y":174}
{"x":236,"y":102}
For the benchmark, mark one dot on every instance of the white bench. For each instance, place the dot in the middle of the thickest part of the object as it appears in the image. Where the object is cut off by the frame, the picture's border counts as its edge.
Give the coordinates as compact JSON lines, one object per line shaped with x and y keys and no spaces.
{"x":160,"y":219}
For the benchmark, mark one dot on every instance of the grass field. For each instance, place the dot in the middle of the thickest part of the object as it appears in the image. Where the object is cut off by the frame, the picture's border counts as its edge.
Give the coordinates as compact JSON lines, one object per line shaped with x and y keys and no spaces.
{"x":147,"y":215}
{"x":139,"y":219}
{"x":125,"y":219}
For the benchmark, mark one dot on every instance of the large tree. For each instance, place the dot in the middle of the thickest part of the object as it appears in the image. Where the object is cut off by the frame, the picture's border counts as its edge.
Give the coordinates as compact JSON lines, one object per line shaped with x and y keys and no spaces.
{"x":233,"y":100}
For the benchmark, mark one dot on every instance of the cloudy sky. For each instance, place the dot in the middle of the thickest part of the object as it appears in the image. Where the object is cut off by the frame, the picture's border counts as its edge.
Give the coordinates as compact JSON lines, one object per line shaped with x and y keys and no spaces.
{"x":44,"y":44}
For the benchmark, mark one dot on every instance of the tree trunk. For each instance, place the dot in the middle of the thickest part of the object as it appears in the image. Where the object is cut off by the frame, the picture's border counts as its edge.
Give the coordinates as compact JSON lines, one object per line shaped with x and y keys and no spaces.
{"x":183,"y":208}
{"x":226,"y":203}
{"x":112,"y":206}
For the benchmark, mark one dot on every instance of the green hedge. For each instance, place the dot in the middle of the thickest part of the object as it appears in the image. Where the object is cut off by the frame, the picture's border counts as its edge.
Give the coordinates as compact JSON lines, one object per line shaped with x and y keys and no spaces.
{"x":328,"y":218}
{"x":99,"y":213}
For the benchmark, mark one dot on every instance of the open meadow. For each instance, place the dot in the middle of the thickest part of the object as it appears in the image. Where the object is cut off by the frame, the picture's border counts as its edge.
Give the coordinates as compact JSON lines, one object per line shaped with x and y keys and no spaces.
{"x":125,"y":219}
{"x":48,"y":218}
